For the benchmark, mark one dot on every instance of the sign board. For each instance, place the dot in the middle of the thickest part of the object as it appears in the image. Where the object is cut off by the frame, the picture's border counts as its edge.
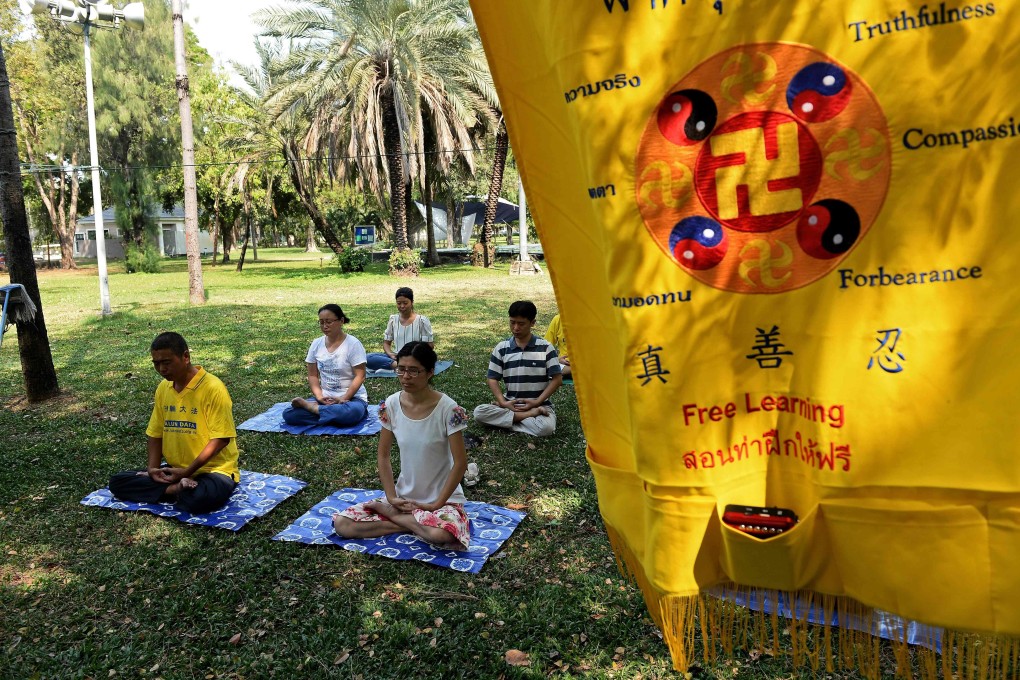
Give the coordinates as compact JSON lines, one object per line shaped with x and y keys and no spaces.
{"x":364,"y":235}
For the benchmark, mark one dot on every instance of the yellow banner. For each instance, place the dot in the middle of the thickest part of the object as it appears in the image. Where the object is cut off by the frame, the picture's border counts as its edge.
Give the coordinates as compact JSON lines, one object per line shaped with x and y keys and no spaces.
{"x":779,"y":237}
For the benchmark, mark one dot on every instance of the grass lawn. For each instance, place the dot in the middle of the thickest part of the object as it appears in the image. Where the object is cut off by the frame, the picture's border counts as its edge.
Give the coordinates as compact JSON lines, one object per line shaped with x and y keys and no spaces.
{"x":95,"y":593}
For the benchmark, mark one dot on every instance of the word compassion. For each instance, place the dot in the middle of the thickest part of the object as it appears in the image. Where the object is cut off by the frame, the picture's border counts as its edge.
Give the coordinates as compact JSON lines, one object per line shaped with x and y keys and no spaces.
{"x":810,"y":453}
{"x":834,"y":415}
{"x":923,"y":18}
{"x":625,"y":4}
{"x":617,"y":82}
{"x":917,"y":138}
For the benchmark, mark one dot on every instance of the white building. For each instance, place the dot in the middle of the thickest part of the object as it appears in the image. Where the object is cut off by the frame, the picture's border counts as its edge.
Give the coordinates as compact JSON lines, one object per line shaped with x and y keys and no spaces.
{"x":170,"y":235}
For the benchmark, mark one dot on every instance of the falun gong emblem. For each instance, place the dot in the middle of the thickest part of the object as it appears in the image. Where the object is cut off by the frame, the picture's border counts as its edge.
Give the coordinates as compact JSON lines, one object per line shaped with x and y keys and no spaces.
{"x":763,"y":167}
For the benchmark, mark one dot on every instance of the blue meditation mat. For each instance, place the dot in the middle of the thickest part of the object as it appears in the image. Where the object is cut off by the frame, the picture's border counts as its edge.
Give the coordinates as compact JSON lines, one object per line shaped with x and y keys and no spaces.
{"x":491,"y":526}
{"x":255,"y":496}
{"x":881,"y":623}
{"x":387,"y":373}
{"x":272,"y":421}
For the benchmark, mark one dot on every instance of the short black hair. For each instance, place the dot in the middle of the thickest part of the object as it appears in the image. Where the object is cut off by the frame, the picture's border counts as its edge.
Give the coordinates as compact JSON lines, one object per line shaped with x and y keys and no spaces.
{"x":174,"y":342}
{"x":420,"y":352}
{"x":524,"y":308}
{"x":336,"y":310}
{"x":404,"y":292}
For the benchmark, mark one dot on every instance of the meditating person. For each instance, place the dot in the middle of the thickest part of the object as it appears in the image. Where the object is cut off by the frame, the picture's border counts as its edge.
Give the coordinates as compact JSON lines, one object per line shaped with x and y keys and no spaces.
{"x":405,"y":326}
{"x":336,"y":376}
{"x":192,"y":429}
{"x":558,"y":338}
{"x":427,"y":499}
{"x":530,"y":368}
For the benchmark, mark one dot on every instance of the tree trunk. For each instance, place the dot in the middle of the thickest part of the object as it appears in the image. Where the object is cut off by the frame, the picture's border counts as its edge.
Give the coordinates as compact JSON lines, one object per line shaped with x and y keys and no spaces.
{"x":196,"y":289}
{"x":495,"y":186}
{"x":247,"y":240}
{"x":216,"y":226}
{"x":33,"y":343}
{"x":228,"y":239}
{"x":432,"y":256}
{"x":310,"y":246}
{"x":395,"y":168}
{"x":306,"y":194}
{"x":65,"y":231}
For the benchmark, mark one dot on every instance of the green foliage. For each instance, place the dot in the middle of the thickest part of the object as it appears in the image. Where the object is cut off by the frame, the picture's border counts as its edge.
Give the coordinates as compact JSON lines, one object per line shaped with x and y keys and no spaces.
{"x":405,"y":262}
{"x":145,"y":259}
{"x":351,"y":260}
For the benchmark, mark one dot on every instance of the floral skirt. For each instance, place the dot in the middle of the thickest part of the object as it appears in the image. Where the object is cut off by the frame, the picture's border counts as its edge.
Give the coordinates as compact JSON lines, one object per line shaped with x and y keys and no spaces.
{"x":451,"y":518}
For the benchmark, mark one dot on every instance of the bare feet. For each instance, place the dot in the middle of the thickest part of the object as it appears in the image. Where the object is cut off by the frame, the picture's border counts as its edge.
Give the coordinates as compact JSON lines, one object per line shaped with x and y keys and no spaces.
{"x":531,"y":413}
{"x":382,"y":508}
{"x":188,"y":483}
{"x":310,"y":406}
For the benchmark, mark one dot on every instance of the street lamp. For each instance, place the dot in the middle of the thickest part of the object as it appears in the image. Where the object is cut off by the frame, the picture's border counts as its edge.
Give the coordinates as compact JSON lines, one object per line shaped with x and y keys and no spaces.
{"x":81,"y":16}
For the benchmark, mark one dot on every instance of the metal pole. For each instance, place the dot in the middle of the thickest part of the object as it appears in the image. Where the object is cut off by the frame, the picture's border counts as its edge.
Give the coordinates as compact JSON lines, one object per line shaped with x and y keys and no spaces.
{"x":523,"y":212}
{"x":97,"y":199}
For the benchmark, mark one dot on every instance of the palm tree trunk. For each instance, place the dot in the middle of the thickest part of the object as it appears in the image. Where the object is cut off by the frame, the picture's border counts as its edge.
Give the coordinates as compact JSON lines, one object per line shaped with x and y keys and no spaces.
{"x":495,"y":186}
{"x":433,"y":255}
{"x":33,"y":342}
{"x":306,"y":194}
{"x":395,"y":168}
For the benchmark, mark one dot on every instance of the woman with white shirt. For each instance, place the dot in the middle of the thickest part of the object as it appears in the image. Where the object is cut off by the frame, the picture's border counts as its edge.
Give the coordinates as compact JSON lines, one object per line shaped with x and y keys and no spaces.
{"x":336,"y":373}
{"x":405,"y":326}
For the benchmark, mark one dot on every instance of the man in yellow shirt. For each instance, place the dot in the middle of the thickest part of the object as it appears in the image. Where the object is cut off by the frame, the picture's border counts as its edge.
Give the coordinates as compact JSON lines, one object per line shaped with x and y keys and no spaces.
{"x":192,"y":428}
{"x":558,"y":338}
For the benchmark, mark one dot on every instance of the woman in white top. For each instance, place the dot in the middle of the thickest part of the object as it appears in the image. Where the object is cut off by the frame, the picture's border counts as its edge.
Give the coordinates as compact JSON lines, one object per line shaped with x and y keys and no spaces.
{"x":405,"y":326}
{"x":427,"y":425}
{"x":336,"y":371}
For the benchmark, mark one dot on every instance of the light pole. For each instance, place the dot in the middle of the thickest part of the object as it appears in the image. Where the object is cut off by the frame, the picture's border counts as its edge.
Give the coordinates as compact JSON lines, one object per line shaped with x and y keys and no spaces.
{"x":83,"y":16}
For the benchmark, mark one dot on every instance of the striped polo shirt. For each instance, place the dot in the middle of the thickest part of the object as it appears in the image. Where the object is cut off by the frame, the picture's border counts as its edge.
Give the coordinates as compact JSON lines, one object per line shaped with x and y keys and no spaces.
{"x":525,"y":372}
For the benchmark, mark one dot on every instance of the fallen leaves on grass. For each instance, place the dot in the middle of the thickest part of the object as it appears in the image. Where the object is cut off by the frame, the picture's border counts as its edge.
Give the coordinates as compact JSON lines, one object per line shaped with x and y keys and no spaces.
{"x":235,"y":639}
{"x":516,"y":657}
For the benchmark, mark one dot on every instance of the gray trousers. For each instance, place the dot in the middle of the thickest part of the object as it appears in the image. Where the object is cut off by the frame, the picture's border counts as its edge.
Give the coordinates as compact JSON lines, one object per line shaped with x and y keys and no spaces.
{"x":497,"y":416}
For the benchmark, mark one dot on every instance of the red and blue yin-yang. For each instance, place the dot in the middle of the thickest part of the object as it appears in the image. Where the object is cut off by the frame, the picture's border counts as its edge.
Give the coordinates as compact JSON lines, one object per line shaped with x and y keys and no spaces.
{"x":687,"y":117}
{"x":698,"y":242}
{"x":828,"y":228}
{"x":819,"y":92}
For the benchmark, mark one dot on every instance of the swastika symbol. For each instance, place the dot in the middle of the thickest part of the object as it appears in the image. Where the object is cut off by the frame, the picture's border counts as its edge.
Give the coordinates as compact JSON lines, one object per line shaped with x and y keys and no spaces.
{"x":757,"y":171}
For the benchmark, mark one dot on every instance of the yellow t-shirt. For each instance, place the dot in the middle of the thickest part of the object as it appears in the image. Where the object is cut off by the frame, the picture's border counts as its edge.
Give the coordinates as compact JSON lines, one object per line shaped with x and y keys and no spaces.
{"x":555,"y":335}
{"x":187,"y":421}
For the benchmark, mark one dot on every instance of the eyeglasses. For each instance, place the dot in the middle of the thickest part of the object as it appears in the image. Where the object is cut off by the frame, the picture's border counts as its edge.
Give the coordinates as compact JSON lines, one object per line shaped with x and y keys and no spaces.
{"x":411,"y":372}
{"x":327,"y":322}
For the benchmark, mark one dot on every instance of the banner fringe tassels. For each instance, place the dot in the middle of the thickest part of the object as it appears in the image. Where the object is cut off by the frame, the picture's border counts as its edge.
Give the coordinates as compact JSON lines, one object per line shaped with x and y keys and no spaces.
{"x":719,"y":629}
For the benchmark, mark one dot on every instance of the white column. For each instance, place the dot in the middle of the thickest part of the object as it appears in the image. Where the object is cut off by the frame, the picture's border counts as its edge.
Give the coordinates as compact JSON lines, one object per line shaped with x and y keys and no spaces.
{"x":522,"y":202}
{"x":97,"y":199}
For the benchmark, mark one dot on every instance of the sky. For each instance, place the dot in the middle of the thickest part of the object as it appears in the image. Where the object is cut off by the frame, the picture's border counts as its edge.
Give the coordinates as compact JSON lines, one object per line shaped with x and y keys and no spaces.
{"x":225,"y":29}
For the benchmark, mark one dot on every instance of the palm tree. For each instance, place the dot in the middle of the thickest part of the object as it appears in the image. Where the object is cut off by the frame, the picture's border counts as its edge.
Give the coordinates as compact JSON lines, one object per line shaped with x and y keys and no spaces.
{"x":374,"y":74}
{"x":266,"y":140}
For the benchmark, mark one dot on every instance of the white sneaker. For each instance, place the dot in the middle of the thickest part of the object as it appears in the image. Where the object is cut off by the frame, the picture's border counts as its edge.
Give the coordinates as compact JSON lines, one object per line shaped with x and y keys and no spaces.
{"x":472,"y":474}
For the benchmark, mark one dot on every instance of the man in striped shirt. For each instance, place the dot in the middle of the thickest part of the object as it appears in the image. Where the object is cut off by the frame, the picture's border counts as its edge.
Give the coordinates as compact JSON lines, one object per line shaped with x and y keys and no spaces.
{"x":530,"y":368}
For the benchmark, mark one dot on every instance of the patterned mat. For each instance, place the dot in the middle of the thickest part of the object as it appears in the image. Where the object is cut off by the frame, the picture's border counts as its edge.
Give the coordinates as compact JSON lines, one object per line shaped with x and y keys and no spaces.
{"x":272,"y":421}
{"x":255,"y":496}
{"x":491,"y":526}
